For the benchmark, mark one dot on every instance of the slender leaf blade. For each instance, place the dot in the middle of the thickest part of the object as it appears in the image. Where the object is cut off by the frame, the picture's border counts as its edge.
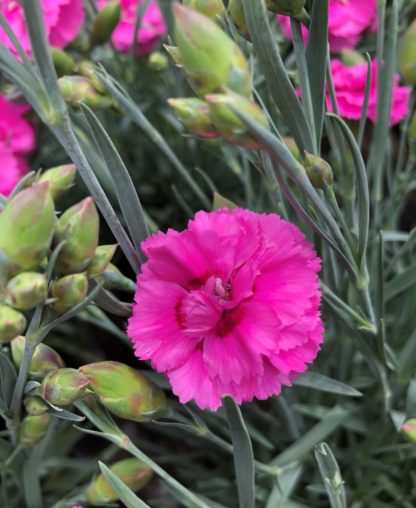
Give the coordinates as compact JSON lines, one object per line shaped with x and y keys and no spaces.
{"x":322,"y":383}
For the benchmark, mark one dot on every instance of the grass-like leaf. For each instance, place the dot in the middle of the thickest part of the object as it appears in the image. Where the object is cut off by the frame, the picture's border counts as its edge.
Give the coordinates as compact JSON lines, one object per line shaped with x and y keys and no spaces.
{"x":322,"y":383}
{"x":331,"y":476}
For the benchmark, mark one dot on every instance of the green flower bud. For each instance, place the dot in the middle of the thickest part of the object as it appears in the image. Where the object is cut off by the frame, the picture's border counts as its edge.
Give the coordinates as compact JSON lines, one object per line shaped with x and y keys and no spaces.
{"x":45,"y":359}
{"x":12,"y":323}
{"x":26,"y":227}
{"x":407,"y":55}
{"x":133,"y":472}
{"x":195,"y":116}
{"x":79,"y":226}
{"x":112,"y":278}
{"x":412,"y":129}
{"x":125,"y":391}
{"x":350,"y":57}
{"x":75,"y":89}
{"x":33,"y":429}
{"x":35,"y":406}
{"x":88,"y":70}
{"x":211,"y":60}
{"x":210,"y":8}
{"x":228,"y":124}
{"x":63,"y":62}
{"x":157,"y":61}
{"x":26,"y":290}
{"x":101,"y":259}
{"x":286,"y":7}
{"x":236,"y":13}
{"x":409,"y":429}
{"x":60,"y":179}
{"x":293,"y":147}
{"x":105,"y":22}
{"x":174,"y":53}
{"x":69,"y":291}
{"x":64,"y":386}
{"x":318,"y":170}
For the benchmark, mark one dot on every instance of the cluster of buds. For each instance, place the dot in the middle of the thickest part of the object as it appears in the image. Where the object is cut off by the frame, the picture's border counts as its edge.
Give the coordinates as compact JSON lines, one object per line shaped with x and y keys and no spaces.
{"x":219,"y":73}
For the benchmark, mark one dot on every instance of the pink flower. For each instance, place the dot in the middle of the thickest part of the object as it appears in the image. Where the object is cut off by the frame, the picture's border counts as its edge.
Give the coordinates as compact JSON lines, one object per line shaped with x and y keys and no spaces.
{"x":349,"y":83}
{"x":63,"y":20}
{"x":152,"y":26}
{"x":228,"y":306}
{"x":348,"y":19}
{"x":17,"y":140}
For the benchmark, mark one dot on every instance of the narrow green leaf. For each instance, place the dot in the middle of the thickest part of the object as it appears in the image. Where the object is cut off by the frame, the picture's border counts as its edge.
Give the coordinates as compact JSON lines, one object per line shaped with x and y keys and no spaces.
{"x":8,"y":378}
{"x":366,"y":102}
{"x":127,"y":496}
{"x":110,"y":303}
{"x":305,"y":444}
{"x":331,"y":475}
{"x":31,"y":485}
{"x":316,"y":381}
{"x":243,"y":453}
{"x":406,"y":363}
{"x":400,"y":283}
{"x":275,"y":73}
{"x":127,"y":196}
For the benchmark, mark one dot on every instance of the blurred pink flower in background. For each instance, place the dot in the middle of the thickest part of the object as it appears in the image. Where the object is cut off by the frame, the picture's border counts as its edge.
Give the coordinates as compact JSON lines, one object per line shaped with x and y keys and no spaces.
{"x":348,"y":19}
{"x":63,"y":20}
{"x":17,"y":140}
{"x":228,"y":306}
{"x":349,"y":83}
{"x":152,"y":26}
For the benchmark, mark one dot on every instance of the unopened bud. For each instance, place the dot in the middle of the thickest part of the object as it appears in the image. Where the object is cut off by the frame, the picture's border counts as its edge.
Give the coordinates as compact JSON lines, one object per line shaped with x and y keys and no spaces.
{"x":133,"y":472}
{"x":409,"y":429}
{"x":318,"y":170}
{"x":286,"y":7}
{"x":44,"y":360}
{"x":210,"y":8}
{"x":407,"y":55}
{"x":35,"y":406}
{"x":350,"y":57}
{"x":112,"y":278}
{"x":101,"y":259}
{"x":228,"y":124}
{"x":33,"y":429}
{"x":12,"y":323}
{"x":105,"y":22}
{"x":26,"y":290}
{"x":211,"y":60}
{"x":195,"y":115}
{"x":157,"y":61}
{"x":174,"y":53}
{"x":75,"y":89}
{"x":60,"y":179}
{"x":69,"y":291}
{"x":412,"y":129}
{"x":293,"y":147}
{"x":26,"y":227}
{"x":63,"y":62}
{"x":236,"y":13}
{"x":125,"y":391}
{"x":79,"y":226}
{"x":64,"y":386}
{"x":87,"y":69}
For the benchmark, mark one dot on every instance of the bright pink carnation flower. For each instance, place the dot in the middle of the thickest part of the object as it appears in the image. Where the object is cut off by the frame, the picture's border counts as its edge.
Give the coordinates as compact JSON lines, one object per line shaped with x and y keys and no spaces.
{"x":152,"y":26}
{"x":348,"y":19}
{"x":17,"y":140}
{"x":63,"y":20}
{"x":228,"y":306}
{"x":349,"y":83}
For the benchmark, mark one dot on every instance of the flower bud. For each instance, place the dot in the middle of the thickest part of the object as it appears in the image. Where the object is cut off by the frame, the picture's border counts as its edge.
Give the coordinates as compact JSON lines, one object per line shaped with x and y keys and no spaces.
{"x":286,"y":7}
{"x":44,"y":360}
{"x":210,"y":8}
{"x":318,"y":170}
{"x":69,"y":291}
{"x":26,"y":290}
{"x":63,"y":62}
{"x":409,"y":429}
{"x":228,"y":124}
{"x":350,"y":57}
{"x":87,"y":69}
{"x":133,"y":472}
{"x":412,"y":129}
{"x":60,"y":179}
{"x":293,"y":147}
{"x":35,"y":406}
{"x":174,"y":53}
{"x":101,"y":259}
{"x":105,"y":22}
{"x":33,"y":429}
{"x":407,"y":55}
{"x":157,"y":61}
{"x":211,"y":59}
{"x":79,"y":226}
{"x":26,"y":227}
{"x":125,"y":391}
{"x":75,"y":89}
{"x":12,"y":323}
{"x":195,"y":116}
{"x":236,"y":13}
{"x":112,"y":278}
{"x":63,"y":387}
